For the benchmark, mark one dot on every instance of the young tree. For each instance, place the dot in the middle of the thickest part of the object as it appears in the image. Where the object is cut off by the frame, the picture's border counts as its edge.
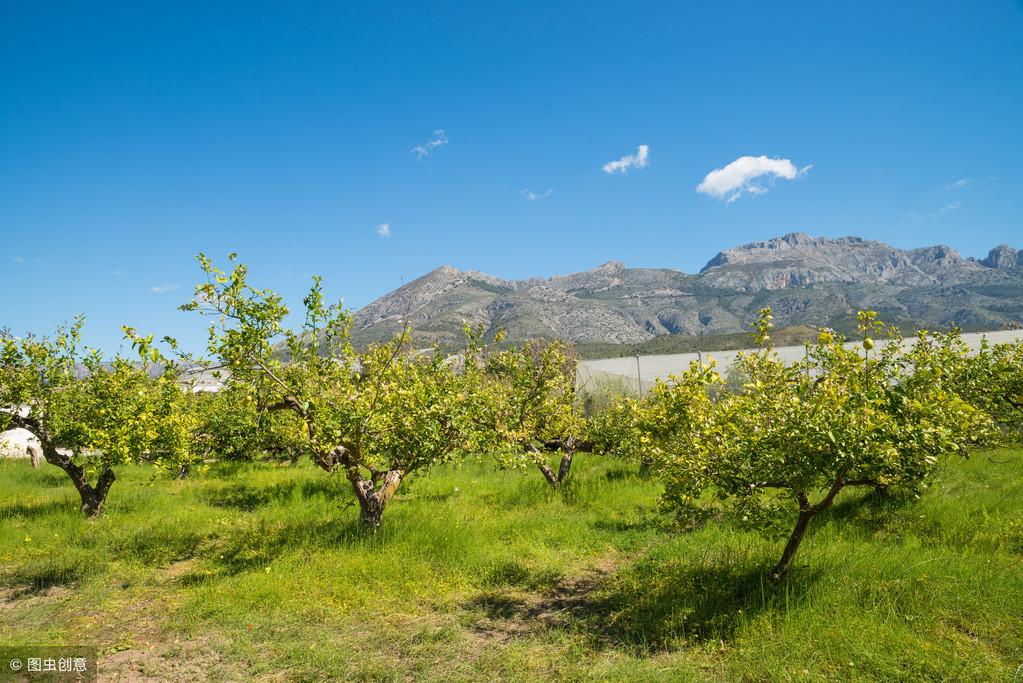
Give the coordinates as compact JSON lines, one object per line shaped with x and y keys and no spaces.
{"x":90,"y":415}
{"x":376,"y":416}
{"x":797,"y":435}
{"x":534,"y":391}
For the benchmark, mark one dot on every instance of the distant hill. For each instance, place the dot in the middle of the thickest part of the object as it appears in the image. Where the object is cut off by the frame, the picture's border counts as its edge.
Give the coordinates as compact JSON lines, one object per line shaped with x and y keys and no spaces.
{"x":806,"y":280}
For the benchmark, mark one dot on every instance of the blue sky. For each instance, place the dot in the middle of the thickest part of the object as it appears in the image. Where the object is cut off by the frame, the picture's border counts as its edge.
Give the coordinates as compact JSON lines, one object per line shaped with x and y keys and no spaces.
{"x":133,"y":135}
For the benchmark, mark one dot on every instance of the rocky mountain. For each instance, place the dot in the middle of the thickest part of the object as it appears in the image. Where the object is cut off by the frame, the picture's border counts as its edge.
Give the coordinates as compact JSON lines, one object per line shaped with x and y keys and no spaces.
{"x":806,"y":280}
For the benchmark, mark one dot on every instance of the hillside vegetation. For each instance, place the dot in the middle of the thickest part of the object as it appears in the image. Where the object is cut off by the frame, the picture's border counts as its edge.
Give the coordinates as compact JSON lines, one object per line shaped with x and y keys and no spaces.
{"x":681,"y":343}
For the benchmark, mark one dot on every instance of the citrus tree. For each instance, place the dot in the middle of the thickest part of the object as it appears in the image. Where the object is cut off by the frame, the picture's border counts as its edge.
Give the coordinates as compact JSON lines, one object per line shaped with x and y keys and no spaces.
{"x":669,"y":425}
{"x":533,"y":399}
{"x":230,"y":426}
{"x":376,"y":416}
{"x":795,"y":436}
{"x":91,"y":415}
{"x":991,"y":379}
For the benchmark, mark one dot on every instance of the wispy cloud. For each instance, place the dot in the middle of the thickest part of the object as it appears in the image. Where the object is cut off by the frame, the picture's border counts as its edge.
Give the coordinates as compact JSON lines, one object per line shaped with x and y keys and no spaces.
{"x":119,"y":273}
{"x":535,"y":196}
{"x":163,"y":289}
{"x":933,"y":215}
{"x":19,"y":259}
{"x":629,"y":162}
{"x":960,"y":184}
{"x":427,"y":148}
{"x":745,"y":175}
{"x":384,"y":230}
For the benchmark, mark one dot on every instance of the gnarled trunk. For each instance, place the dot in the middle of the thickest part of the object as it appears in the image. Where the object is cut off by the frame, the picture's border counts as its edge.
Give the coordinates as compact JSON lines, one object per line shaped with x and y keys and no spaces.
{"x":373,"y":500}
{"x":373,"y":493}
{"x":36,"y":455}
{"x":567,"y":448}
{"x":93,"y":497}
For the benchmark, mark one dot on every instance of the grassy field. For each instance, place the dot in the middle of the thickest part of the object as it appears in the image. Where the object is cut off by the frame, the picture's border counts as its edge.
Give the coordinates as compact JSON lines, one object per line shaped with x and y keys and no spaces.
{"x":260,"y":572}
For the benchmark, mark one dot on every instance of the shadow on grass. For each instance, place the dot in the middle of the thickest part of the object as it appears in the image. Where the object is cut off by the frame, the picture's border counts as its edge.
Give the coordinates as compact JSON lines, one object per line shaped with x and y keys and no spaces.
{"x":867,"y":509}
{"x":263,"y":542}
{"x":646,"y":523}
{"x":248,"y":497}
{"x":650,"y":606}
{"x":37,"y":509}
{"x":619,"y":474}
{"x":42,"y":575}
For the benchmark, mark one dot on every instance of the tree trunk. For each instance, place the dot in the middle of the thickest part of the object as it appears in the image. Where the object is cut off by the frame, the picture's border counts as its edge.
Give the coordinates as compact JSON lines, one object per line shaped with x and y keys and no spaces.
{"x":548,"y":474}
{"x":373,"y":500}
{"x":36,"y":455}
{"x":792,"y":546}
{"x":567,"y":448}
{"x":93,"y":497}
{"x":371,"y":513}
{"x":565,"y":467}
{"x":806,"y":513}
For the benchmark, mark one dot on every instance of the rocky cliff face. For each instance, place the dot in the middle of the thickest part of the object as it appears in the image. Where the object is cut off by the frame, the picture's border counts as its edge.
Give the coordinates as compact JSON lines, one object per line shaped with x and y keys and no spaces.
{"x":807,"y":280}
{"x":797,"y":260}
{"x":1003,"y":257}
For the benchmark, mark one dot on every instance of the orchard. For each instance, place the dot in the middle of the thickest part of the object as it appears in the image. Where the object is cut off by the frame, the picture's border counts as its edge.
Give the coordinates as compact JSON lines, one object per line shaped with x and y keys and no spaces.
{"x":775,"y":449}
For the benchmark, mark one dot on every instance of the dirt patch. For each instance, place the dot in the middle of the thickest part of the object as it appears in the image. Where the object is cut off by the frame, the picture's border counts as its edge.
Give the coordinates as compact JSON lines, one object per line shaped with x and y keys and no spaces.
{"x":176,"y":572}
{"x":194,"y":659}
{"x":27,"y":595}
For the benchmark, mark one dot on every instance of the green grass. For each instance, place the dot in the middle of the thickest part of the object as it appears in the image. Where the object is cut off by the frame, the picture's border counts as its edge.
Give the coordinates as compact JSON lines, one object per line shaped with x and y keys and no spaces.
{"x":258,"y":571}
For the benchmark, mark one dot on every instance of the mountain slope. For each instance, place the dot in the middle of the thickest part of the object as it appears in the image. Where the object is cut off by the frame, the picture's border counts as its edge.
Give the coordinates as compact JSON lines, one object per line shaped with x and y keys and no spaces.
{"x":807,"y":280}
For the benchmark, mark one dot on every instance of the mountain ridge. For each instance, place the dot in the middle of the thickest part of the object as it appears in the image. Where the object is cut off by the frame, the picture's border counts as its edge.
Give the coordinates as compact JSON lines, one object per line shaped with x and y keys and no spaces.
{"x":807,"y":280}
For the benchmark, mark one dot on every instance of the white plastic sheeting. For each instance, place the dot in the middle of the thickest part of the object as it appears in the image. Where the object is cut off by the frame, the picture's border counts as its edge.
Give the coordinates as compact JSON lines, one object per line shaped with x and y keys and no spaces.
{"x":637,"y":374}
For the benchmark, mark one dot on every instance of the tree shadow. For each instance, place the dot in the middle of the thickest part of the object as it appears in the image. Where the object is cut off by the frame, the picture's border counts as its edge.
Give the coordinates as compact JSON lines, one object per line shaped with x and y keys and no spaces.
{"x":42,"y":576}
{"x":867,"y":509}
{"x":650,"y":606}
{"x":619,"y":474}
{"x":37,"y":509}
{"x":264,"y":542}
{"x":646,"y":523}
{"x":248,"y":497}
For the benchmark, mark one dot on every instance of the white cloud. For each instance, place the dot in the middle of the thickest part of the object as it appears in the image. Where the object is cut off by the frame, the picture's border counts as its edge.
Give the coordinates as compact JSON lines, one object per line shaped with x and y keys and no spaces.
{"x":427,"y":148}
{"x":534,"y":196}
{"x":740,"y":177}
{"x":384,"y":230}
{"x":119,"y":273}
{"x":933,"y":215}
{"x":163,"y":289}
{"x":630,"y":161}
{"x":960,"y":184}
{"x":19,"y":259}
